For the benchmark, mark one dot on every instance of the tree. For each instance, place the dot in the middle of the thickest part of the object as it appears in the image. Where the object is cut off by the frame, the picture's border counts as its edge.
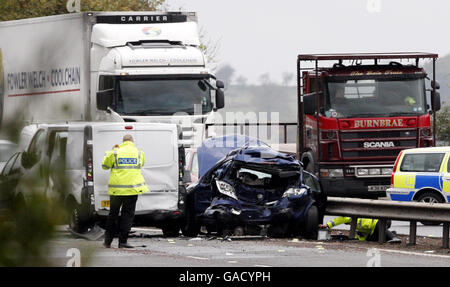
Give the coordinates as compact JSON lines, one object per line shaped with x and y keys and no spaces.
{"x":443,"y":124}
{"x":225,"y":73}
{"x":210,"y":48}
{"x":19,"y":9}
{"x":287,"y":78}
{"x":241,"y":81}
{"x":265,"y":80}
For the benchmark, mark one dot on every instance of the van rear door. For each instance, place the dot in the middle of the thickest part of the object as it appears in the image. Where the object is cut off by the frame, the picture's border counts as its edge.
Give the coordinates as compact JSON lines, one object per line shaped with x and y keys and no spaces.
{"x":160,"y":145}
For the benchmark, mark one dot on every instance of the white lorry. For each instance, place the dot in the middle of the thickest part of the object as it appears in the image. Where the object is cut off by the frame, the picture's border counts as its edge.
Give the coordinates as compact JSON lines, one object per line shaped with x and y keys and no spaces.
{"x":64,"y":161}
{"x":108,"y":66}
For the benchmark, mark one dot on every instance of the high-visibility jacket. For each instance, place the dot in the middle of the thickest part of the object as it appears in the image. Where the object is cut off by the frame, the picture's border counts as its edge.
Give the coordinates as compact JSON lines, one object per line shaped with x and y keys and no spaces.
{"x":409,"y":101}
{"x":125,"y":163}
{"x":364,"y":226}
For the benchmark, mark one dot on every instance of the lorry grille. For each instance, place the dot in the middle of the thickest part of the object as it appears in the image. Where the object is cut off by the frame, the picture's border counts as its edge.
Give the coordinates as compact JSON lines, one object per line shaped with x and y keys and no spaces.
{"x":377,"y":145}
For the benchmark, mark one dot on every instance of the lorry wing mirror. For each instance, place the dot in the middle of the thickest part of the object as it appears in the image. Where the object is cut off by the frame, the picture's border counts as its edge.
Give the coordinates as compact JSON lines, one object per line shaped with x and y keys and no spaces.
{"x":309,"y":103}
{"x":220,"y":99}
{"x":220,"y":84}
{"x":435,"y":85}
{"x":436,"y":98}
{"x":104,"y":99}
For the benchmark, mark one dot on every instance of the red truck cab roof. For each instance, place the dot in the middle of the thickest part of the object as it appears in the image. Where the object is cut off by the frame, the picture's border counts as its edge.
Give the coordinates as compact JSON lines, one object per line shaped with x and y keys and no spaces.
{"x":366,"y":56}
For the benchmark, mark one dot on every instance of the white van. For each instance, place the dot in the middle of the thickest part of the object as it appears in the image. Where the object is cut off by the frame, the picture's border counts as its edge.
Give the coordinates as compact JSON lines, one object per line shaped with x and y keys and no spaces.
{"x":78,"y":149}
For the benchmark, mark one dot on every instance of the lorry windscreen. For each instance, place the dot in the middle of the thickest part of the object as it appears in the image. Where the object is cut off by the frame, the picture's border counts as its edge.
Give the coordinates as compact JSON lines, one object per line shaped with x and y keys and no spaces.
{"x":375,"y":97}
{"x":162,"y":96}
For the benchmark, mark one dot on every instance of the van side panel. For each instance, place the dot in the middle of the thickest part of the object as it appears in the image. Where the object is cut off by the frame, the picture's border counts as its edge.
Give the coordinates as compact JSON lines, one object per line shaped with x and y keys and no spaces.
{"x":75,"y":171}
{"x":45,"y":64}
{"x":159,"y":143}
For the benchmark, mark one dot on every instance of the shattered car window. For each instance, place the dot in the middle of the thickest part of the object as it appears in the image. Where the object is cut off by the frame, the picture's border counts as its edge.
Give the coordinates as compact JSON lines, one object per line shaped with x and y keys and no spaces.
{"x":253,"y":177}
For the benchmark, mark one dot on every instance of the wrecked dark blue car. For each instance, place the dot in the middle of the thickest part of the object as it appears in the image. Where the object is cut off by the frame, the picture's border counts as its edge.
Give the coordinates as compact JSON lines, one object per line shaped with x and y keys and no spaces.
{"x":253,"y":190}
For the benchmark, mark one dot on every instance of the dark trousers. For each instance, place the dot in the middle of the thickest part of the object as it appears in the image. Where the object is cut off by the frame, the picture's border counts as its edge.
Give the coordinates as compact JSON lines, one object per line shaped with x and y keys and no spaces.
{"x":125,"y":221}
{"x":389,"y":234}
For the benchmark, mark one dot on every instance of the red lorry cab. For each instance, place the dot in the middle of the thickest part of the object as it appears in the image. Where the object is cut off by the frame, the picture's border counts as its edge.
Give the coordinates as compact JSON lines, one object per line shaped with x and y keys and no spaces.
{"x":355,"y":117}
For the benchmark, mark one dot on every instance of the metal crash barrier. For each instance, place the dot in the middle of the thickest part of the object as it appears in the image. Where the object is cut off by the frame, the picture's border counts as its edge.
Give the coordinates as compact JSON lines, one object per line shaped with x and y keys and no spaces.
{"x":393,"y":210}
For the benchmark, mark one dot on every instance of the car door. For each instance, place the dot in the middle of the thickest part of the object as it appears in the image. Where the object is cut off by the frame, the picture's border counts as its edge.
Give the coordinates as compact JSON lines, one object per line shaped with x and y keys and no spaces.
{"x":9,"y":178}
{"x":445,"y":179}
{"x":33,"y":178}
{"x":418,"y":171}
{"x":57,"y":181}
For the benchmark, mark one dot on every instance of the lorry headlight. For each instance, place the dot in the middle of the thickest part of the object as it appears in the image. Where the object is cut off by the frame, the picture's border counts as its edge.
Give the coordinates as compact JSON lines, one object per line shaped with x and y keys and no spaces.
{"x":226,"y":188}
{"x":363,"y":171}
{"x":332,"y":172}
{"x":295,"y":191}
{"x":374,"y":171}
{"x":386,"y":171}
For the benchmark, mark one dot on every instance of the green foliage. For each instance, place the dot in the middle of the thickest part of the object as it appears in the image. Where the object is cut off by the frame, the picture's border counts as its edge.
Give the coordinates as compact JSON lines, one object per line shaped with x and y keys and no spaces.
{"x":20,"y":9}
{"x":29,"y":216}
{"x":25,"y":231}
{"x":443,"y":124}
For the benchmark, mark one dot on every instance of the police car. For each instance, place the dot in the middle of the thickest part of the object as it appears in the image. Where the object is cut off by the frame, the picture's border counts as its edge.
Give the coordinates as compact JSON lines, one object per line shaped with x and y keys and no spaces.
{"x":421,"y":174}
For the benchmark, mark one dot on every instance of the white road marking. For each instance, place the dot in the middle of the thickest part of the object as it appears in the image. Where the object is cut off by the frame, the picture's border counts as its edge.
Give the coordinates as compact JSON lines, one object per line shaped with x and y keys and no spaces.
{"x":256,"y":265}
{"x":198,"y":258}
{"x":146,"y":229}
{"x":415,"y":253}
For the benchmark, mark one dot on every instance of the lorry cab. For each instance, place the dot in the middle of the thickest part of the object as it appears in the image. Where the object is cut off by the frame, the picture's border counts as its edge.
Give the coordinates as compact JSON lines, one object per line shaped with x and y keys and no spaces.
{"x":65,"y":160}
{"x":357,"y":114}
{"x":115,"y":67}
{"x":421,"y":174}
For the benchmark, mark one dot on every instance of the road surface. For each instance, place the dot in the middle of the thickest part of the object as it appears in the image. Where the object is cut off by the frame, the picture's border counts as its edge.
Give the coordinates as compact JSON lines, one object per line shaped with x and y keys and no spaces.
{"x":156,"y":251}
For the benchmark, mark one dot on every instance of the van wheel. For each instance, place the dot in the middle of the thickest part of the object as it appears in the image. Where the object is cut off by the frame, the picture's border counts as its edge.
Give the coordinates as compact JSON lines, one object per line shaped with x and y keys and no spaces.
{"x":430,"y":197}
{"x":311,"y":227}
{"x":75,"y":222}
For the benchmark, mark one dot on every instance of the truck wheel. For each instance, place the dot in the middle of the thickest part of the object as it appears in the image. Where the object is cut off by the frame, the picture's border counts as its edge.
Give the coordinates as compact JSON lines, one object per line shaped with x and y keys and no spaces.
{"x":190,"y":227}
{"x":75,"y":222}
{"x":311,"y":227}
{"x":430,"y":197}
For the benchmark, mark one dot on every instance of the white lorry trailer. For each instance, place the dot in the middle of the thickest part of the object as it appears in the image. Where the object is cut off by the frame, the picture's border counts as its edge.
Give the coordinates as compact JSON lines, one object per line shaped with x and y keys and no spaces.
{"x":108,"y":66}
{"x":64,"y":161}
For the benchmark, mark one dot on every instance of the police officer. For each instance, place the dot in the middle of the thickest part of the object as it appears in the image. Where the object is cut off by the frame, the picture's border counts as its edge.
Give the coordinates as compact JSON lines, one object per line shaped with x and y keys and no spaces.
{"x":367,"y":229}
{"x":409,"y":101}
{"x":125,"y":183}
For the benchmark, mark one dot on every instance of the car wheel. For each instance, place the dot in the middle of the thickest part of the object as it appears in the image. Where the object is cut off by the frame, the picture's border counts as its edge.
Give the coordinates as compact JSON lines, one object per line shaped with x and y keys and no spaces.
{"x":76,"y":224}
{"x":430,"y":197}
{"x":311,"y":227}
{"x":190,"y":226}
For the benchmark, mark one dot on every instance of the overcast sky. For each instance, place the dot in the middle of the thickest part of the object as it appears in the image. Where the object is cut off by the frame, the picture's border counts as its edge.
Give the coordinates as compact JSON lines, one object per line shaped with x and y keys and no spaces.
{"x":265,"y":36}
